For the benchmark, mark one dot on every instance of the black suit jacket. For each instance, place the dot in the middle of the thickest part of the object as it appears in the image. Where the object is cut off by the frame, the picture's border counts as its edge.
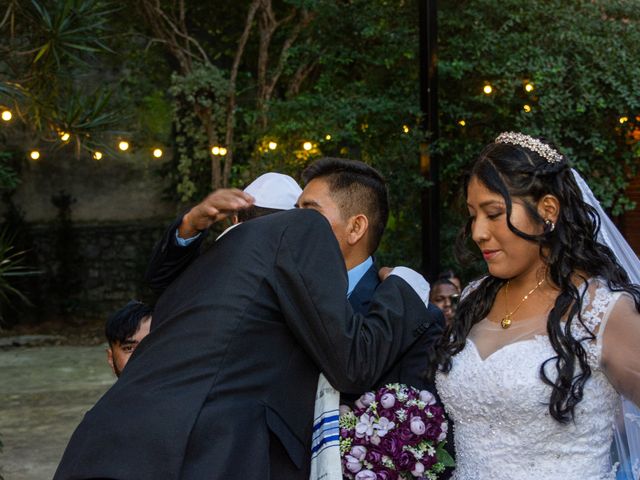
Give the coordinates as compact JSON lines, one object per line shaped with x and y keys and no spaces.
{"x":223,"y":387}
{"x":410,"y":368}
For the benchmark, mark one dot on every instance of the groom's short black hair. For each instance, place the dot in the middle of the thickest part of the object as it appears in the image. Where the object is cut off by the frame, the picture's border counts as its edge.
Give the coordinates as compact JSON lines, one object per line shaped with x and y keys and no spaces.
{"x":358,"y":188}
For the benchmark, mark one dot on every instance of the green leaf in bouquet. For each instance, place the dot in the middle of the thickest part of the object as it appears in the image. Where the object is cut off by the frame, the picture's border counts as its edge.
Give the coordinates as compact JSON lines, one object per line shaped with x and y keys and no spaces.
{"x":444,"y":457}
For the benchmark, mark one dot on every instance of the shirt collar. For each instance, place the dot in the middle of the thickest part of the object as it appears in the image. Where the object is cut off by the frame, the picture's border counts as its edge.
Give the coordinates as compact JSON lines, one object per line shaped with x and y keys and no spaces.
{"x":356,"y":274}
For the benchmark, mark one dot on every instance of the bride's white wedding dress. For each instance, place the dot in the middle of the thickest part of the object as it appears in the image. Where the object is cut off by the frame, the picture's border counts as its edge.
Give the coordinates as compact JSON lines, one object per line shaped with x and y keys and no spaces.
{"x":498,"y":402}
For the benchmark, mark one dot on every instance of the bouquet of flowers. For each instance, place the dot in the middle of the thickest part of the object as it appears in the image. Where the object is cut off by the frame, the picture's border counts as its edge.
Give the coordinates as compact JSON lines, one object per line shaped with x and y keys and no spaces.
{"x":395,"y":433}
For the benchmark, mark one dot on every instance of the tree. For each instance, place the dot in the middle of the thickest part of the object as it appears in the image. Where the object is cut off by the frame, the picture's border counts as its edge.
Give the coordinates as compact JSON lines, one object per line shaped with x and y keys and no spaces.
{"x":45,"y":63}
{"x":206,"y":94}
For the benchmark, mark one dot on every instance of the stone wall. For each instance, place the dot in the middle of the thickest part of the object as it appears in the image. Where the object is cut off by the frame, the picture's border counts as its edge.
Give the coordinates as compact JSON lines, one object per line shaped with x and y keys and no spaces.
{"x":89,"y":227}
{"x":89,"y":270}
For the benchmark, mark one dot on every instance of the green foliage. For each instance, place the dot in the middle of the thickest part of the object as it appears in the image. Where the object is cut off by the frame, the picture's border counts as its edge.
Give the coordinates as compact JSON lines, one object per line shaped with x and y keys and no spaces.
{"x":9,"y":178}
{"x":200,"y":100}
{"x":578,"y":56}
{"x":11,"y":267}
{"x":48,"y":53}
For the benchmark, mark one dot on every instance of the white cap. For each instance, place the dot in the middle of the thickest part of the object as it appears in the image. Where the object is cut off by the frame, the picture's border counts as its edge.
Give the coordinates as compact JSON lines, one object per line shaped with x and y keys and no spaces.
{"x":274,"y":190}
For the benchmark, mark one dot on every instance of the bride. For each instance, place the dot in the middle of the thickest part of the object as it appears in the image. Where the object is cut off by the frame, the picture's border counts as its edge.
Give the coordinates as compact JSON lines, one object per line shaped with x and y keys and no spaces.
{"x":542,"y":348}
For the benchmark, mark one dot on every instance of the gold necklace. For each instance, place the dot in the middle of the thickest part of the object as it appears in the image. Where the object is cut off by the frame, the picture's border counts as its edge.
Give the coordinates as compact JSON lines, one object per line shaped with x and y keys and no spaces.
{"x":506,"y":321}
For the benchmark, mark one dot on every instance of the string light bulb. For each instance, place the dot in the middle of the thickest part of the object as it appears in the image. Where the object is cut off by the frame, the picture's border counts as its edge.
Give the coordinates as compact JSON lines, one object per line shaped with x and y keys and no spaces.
{"x":273,"y":145}
{"x":215,"y":150}
{"x":487,"y":89}
{"x":529,"y":87}
{"x":157,"y":152}
{"x":35,"y":155}
{"x":624,"y":119}
{"x":327,"y":137}
{"x":462,"y":123}
{"x":223,"y":151}
{"x":7,"y":115}
{"x":123,"y":145}
{"x":405,"y":128}
{"x":527,"y":108}
{"x":307,"y":146}
{"x":64,"y":136}
{"x":97,"y":155}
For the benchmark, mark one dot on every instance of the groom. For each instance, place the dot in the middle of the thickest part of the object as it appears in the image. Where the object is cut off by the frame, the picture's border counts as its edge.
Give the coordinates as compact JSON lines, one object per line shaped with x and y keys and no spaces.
{"x":223,"y":387}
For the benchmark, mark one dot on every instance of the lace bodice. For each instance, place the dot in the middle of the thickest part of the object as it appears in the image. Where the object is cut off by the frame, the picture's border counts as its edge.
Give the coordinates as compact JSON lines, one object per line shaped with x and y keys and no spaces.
{"x":499,"y":408}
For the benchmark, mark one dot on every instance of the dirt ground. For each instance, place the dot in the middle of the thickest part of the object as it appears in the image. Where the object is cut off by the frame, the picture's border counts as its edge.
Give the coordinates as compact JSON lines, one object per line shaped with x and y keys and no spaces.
{"x":50,"y":375}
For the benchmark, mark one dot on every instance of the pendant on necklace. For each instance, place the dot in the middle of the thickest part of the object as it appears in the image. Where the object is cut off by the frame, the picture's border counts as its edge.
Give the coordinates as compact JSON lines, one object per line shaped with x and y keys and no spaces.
{"x":506,"y":322}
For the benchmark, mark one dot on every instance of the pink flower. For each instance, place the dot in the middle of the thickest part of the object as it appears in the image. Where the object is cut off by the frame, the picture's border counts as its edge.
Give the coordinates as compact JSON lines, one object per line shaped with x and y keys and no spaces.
{"x":359,"y":452}
{"x":444,"y":428}
{"x":365,"y":400}
{"x":364,"y":426}
{"x":417,"y":426}
{"x":418,"y":470}
{"x":344,"y":409}
{"x":383,"y":426}
{"x":353,"y":464}
{"x":388,"y":400}
{"x":427,"y":397}
{"x":366,"y":475}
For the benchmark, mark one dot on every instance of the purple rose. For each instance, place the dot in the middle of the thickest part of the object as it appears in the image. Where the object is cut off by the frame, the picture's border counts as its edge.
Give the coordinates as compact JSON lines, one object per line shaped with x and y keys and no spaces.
{"x":352,"y":464}
{"x":374,"y":457}
{"x":366,"y":475}
{"x":404,"y":461}
{"x":359,"y":452}
{"x":365,"y":400}
{"x":427,"y":397}
{"x":392,"y":446}
{"x":388,"y":400}
{"x":418,"y":470}
{"x":386,"y":474}
{"x":417,"y":426}
{"x":404,"y":434}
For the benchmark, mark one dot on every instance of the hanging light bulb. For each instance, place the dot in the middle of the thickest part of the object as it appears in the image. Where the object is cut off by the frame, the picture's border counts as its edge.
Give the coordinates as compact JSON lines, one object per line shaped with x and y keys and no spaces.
{"x":624,"y":119}
{"x":462,"y":123}
{"x":7,"y":115}
{"x":215,"y":150}
{"x":123,"y":145}
{"x":487,"y":89}
{"x":327,"y":137}
{"x":64,"y":136}
{"x":35,"y":154}
{"x":307,"y":146}
{"x":97,"y":155}
{"x":527,"y":108}
{"x":405,"y":128}
{"x":157,"y":152}
{"x":223,"y":151}
{"x":529,"y":87}
{"x":273,"y":145}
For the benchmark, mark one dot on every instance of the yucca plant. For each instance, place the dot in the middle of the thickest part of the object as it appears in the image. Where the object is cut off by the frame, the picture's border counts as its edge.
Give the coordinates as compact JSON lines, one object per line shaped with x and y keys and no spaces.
{"x":11,"y":266}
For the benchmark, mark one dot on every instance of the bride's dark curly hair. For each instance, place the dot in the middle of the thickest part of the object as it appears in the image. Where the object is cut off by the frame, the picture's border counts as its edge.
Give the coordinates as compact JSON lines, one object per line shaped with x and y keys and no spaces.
{"x":570,"y":251}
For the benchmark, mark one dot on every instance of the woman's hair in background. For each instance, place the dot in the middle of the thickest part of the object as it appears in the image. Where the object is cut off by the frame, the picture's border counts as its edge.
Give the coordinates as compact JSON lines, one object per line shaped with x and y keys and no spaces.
{"x":569,"y":250}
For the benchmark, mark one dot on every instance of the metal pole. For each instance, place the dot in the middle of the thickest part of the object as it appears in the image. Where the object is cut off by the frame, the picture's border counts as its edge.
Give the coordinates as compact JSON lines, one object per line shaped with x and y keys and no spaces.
{"x":429,"y":164}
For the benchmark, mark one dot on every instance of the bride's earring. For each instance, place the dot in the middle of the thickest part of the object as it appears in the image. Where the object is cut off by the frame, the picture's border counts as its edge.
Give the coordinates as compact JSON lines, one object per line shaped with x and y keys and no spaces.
{"x":549,"y":226}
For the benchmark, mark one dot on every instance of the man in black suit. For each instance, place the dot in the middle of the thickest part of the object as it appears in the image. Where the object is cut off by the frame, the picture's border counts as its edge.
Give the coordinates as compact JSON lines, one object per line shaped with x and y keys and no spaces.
{"x":353,"y":197}
{"x":223,"y":386}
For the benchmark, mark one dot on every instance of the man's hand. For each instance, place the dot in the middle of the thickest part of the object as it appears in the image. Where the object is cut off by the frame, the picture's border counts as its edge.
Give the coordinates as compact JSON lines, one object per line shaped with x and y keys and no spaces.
{"x":217,"y":206}
{"x":384,"y":272}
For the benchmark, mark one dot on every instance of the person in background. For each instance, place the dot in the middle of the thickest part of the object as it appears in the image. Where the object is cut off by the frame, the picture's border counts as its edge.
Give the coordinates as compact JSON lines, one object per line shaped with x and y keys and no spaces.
{"x":452,"y":277}
{"x":124,"y":330}
{"x":444,"y":295}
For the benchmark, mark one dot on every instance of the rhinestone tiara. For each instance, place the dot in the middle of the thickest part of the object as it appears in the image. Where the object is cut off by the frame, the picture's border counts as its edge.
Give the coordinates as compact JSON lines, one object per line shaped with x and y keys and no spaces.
{"x":550,"y":154}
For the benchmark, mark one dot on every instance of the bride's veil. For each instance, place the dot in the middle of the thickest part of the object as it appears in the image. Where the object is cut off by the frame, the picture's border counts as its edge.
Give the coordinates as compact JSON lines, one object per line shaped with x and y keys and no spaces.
{"x":626,"y":445}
